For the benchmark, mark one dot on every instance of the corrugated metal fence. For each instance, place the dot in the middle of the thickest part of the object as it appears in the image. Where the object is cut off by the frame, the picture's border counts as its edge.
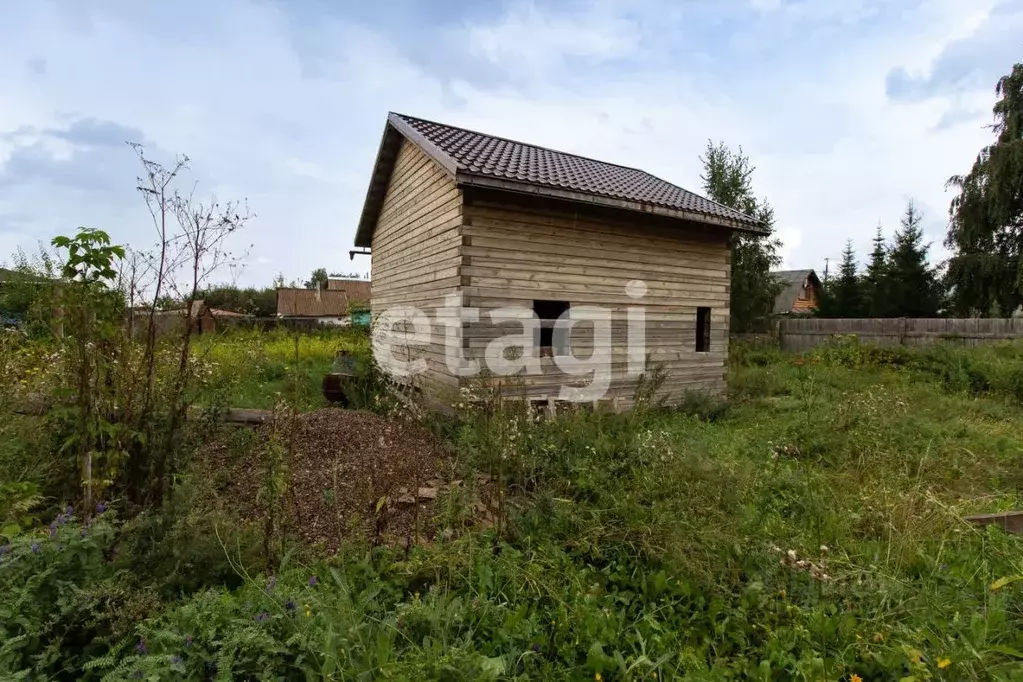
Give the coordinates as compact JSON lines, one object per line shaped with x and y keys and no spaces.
{"x":803,"y":334}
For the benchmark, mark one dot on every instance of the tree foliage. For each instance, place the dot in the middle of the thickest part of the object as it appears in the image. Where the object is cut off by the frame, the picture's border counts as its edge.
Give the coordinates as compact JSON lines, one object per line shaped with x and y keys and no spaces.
{"x":911,"y":285}
{"x":985,"y":273}
{"x":844,"y":296}
{"x":728,"y":179}
{"x":875,"y":282}
{"x":261,"y":302}
{"x":317,"y":280}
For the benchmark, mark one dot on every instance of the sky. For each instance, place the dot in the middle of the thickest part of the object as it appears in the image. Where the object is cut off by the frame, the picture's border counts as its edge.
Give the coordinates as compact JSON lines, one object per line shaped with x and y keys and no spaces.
{"x":847,"y":108}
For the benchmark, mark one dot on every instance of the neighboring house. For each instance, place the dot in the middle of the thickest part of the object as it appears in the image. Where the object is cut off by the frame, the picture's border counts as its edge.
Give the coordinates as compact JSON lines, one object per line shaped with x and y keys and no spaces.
{"x":802,"y":292}
{"x":358,"y":292}
{"x":327,"y":306}
{"x":502,"y":223}
{"x":202,"y":318}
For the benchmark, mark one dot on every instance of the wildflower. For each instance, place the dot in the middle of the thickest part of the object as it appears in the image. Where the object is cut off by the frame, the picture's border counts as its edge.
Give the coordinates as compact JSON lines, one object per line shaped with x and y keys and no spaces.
{"x":855,"y":678}
{"x":100,"y":508}
{"x":313,"y":581}
{"x":536,"y":648}
{"x":271,"y":584}
{"x":85,"y":532}
{"x":175,"y":659}
{"x":943,"y":663}
{"x":597,"y":677}
{"x":262,"y":616}
{"x":290,"y":605}
{"x":35,"y":547}
{"x":69,"y":511}
{"x":878,"y":637}
{"x":141,"y":646}
{"x":4,"y":549}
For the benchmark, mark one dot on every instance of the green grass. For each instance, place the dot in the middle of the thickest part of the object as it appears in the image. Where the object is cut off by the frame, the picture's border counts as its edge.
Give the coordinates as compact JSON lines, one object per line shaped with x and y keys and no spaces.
{"x":256,"y":369}
{"x":809,"y":528}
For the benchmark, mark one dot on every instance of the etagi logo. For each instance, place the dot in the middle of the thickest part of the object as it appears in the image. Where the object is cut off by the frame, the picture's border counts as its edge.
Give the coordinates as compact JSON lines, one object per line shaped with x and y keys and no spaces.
{"x":399,"y":331}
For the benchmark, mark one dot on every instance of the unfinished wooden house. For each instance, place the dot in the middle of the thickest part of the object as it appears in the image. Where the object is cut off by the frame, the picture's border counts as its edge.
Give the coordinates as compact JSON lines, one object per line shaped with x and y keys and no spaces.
{"x":501,"y":224}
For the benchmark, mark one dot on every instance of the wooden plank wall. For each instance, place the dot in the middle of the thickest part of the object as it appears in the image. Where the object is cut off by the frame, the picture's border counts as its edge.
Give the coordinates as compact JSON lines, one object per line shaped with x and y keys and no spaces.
{"x":515,"y":253}
{"x":416,"y":252}
{"x":803,"y":334}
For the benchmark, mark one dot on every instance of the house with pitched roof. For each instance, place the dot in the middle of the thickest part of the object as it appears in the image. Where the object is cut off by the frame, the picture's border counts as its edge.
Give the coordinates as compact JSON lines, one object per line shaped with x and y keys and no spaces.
{"x":800,"y":293}
{"x":357,"y":291}
{"x":454,"y":214}
{"x":323,"y":306}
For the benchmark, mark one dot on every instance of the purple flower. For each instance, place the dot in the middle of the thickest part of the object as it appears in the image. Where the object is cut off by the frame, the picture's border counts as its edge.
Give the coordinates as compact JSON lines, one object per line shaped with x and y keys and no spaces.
{"x":175,"y":659}
{"x":4,"y":549}
{"x":141,"y":646}
{"x":85,"y":532}
{"x":100,"y":508}
{"x":188,"y":641}
{"x":53,"y":530}
{"x":271,"y":584}
{"x":60,"y":519}
{"x":69,"y":511}
{"x":313,"y":581}
{"x":262,"y":616}
{"x":536,"y":648}
{"x":290,"y":605}
{"x":35,"y":547}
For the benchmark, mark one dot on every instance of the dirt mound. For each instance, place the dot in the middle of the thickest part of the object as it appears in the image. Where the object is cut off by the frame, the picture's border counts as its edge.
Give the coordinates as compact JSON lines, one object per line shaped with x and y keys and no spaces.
{"x":350,"y":473}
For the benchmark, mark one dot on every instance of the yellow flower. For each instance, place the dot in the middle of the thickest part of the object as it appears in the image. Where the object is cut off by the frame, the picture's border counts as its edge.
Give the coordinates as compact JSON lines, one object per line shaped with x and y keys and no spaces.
{"x":597,"y":677}
{"x":944,"y":663}
{"x":879,"y":637}
{"x":855,"y":678}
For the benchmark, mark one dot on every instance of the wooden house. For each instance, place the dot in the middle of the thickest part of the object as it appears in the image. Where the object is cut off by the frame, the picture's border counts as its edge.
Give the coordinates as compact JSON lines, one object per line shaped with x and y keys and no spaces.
{"x":499,"y":224}
{"x":800,"y":294}
{"x":325,"y":306}
{"x":358,"y":292}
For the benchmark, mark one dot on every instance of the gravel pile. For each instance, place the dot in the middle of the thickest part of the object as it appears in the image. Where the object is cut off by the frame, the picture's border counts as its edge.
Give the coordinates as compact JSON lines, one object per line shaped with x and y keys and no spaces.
{"x":351,"y":473}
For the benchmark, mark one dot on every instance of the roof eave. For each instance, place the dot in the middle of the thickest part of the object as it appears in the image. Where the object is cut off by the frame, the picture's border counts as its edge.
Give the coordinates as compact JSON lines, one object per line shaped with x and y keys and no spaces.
{"x":390,"y":143}
{"x":475,"y":180}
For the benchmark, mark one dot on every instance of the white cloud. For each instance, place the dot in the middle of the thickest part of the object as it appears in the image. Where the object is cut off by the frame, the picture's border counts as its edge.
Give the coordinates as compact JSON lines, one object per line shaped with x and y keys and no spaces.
{"x":290,"y":116}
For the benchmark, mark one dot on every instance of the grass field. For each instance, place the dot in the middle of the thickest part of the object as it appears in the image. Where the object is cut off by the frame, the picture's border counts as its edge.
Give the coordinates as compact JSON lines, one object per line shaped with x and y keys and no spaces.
{"x":255,"y":369}
{"x":810,"y":527}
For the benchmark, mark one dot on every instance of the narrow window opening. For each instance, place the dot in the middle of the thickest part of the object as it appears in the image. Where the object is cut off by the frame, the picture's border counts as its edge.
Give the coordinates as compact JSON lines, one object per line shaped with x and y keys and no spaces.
{"x":702,"y":330}
{"x":548,"y":313}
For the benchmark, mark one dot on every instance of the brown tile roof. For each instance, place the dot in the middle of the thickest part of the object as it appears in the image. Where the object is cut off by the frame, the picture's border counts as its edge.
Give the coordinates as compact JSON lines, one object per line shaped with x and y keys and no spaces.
{"x":479,"y":159}
{"x":358,"y":290}
{"x":311,"y":303}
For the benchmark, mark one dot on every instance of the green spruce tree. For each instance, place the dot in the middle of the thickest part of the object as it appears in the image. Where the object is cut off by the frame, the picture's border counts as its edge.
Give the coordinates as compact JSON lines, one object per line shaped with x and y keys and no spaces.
{"x":875,"y":296}
{"x":911,"y":284}
{"x":728,"y":179}
{"x":843,"y":296}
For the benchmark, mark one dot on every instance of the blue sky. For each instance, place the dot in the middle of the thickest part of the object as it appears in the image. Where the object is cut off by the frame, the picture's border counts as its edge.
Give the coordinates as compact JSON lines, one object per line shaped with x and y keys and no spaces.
{"x":848,"y":107}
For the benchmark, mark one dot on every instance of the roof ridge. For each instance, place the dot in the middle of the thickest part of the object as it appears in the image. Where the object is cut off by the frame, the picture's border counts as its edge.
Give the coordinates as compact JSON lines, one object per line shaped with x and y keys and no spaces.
{"x":530,"y":144}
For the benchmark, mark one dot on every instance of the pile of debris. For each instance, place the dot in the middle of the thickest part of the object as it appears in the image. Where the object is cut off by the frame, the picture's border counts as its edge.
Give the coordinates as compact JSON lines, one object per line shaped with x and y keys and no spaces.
{"x":352,"y":473}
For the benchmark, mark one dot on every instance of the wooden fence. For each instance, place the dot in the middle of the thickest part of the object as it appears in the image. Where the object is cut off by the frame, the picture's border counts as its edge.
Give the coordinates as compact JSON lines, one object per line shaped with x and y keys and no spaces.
{"x":803,"y":334}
